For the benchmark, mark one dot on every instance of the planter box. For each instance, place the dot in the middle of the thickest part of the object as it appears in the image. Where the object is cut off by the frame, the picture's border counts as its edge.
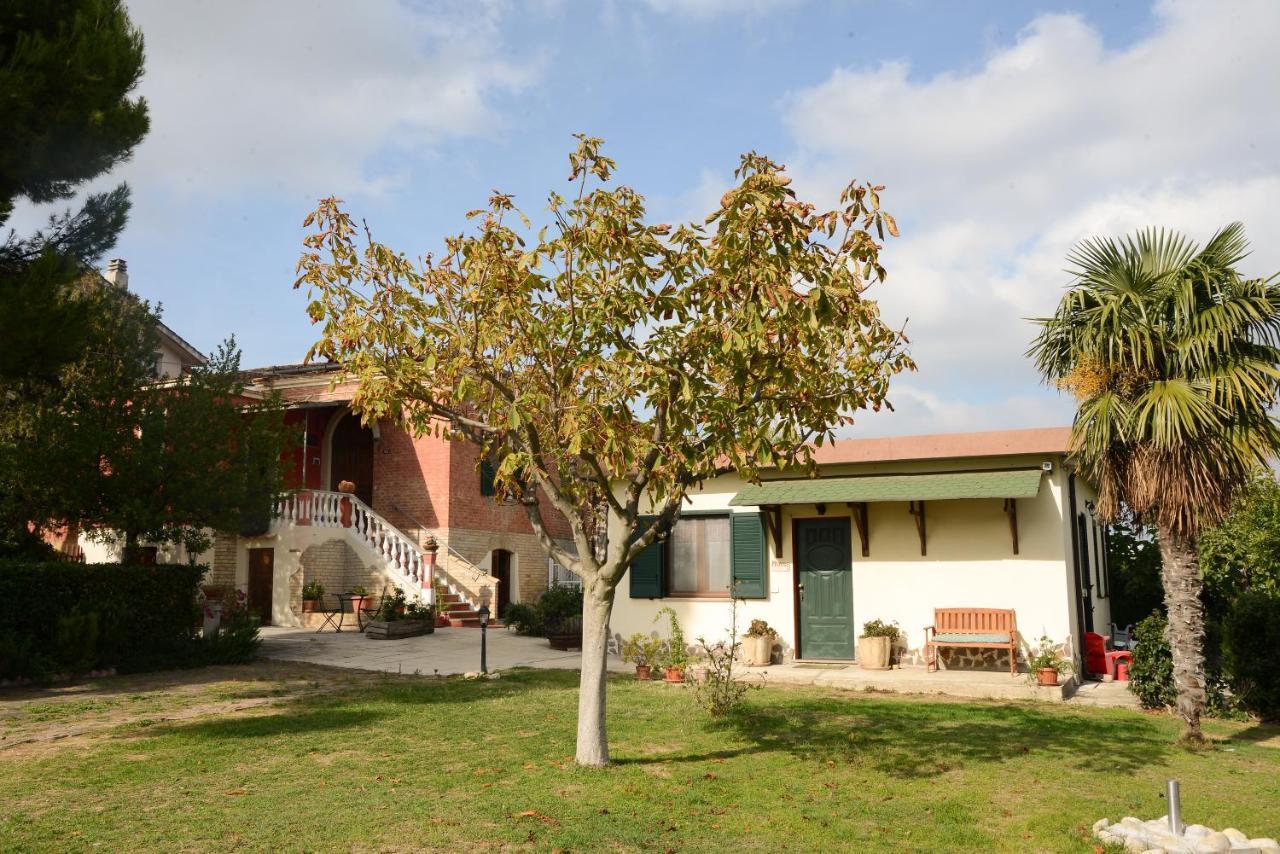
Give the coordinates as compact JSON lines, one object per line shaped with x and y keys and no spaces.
{"x":757,"y":651}
{"x":383,"y":630}
{"x":873,"y":653}
{"x":565,"y":642}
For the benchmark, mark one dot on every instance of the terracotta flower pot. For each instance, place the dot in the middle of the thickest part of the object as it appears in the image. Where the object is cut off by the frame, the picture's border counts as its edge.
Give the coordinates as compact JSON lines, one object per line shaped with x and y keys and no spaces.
{"x":643,"y":673}
{"x":1047,"y":677}
{"x":310,"y":606}
{"x":675,"y":675}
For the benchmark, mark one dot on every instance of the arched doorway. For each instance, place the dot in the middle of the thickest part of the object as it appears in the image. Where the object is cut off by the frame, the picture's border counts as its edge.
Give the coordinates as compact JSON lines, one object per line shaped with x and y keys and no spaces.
{"x":500,"y":568}
{"x":351,"y":456}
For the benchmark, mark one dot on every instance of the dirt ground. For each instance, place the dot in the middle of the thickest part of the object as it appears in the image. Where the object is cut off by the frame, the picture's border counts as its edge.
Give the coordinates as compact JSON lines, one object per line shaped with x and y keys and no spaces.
{"x":37,"y":720}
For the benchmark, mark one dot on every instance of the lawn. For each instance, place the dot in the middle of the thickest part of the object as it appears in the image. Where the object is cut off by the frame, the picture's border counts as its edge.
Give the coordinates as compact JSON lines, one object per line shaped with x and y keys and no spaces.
{"x":296,"y":757}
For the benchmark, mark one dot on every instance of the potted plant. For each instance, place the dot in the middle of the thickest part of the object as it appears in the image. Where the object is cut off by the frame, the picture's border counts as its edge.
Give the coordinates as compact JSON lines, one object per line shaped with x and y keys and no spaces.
{"x":312,"y":596}
{"x":214,"y":592}
{"x":642,"y":651}
{"x":757,"y":644}
{"x":347,"y":487}
{"x":1046,"y":664}
{"x":675,"y":652}
{"x":360,"y":598}
{"x":876,"y":643}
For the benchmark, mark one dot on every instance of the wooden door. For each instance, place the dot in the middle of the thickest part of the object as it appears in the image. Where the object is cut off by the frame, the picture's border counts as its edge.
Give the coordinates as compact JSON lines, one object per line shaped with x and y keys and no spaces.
{"x":262,"y":570}
{"x":501,"y":570}
{"x":351,"y":457}
{"x":824,"y":588}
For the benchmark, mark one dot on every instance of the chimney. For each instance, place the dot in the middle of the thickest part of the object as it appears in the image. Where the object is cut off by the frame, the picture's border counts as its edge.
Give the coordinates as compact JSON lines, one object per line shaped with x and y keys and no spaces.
{"x":118,"y":273}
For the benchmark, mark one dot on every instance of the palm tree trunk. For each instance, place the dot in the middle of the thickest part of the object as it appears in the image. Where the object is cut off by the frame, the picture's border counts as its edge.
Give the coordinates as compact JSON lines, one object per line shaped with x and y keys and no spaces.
{"x":1180,"y":575}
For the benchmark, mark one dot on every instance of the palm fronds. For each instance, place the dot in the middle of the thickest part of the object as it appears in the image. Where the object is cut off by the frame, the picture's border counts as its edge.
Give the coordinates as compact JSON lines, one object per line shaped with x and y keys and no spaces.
{"x":1175,"y":360}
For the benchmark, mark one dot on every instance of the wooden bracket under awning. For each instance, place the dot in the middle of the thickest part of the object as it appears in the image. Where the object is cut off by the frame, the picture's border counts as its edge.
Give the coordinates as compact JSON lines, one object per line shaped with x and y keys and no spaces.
{"x":1011,"y":507}
{"x":916,"y":508}
{"x":859,"y":510}
{"x":773,"y":524}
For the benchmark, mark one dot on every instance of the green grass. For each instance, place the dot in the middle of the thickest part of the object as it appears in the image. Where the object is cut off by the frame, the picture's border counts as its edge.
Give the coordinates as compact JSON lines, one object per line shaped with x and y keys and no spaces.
{"x":353,"y":762}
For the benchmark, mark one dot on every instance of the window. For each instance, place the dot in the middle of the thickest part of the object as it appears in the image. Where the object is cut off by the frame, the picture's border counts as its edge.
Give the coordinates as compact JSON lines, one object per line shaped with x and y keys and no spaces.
{"x":487,"y":474}
{"x":699,"y":557}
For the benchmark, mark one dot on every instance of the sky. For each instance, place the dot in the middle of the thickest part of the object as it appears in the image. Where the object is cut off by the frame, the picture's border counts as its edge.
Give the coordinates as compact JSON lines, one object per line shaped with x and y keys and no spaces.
{"x":1003,"y":132}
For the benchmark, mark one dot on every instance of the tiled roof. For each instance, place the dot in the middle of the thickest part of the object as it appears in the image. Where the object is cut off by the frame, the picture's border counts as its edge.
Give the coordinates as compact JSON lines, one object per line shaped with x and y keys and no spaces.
{"x":992,"y":443}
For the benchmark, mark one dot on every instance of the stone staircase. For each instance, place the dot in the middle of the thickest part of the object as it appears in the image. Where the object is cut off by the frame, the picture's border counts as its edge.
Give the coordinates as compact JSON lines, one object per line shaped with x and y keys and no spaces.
{"x":457,"y":611}
{"x":455,"y":586}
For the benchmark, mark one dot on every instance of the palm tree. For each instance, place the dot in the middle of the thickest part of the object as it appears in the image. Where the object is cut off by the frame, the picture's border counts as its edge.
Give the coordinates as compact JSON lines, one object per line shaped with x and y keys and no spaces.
{"x":1172,"y":356}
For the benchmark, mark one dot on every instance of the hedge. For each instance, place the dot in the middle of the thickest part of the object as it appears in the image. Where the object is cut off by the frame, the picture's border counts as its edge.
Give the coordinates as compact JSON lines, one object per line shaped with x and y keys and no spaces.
{"x":60,"y":618}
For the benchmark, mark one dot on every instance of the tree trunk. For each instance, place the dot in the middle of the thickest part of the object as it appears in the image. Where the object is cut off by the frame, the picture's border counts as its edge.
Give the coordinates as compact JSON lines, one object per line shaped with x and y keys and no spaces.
{"x":1180,"y":575}
{"x":593,"y":738}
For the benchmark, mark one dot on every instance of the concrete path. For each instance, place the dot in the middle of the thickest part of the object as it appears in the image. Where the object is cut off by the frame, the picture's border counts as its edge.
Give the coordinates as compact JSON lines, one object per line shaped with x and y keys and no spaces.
{"x":445,"y":652}
{"x":452,"y":651}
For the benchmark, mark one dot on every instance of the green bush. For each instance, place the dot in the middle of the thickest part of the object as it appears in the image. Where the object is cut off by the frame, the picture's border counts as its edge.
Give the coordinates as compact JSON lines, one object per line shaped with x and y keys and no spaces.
{"x":67,"y":618}
{"x":524,"y":619}
{"x":557,"y":604}
{"x":1151,"y":675}
{"x":1250,"y":646}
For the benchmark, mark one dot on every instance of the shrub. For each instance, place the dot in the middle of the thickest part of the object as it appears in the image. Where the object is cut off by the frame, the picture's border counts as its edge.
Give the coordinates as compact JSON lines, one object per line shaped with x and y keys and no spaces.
{"x":1251,"y":638}
{"x":524,"y":619}
{"x":557,"y":605}
{"x":1151,"y":676}
{"x":67,"y":617}
{"x":237,"y":639}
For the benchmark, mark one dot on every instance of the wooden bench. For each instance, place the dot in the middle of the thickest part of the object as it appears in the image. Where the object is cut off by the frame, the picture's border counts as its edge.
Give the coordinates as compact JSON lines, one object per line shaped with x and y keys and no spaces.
{"x":990,"y":628}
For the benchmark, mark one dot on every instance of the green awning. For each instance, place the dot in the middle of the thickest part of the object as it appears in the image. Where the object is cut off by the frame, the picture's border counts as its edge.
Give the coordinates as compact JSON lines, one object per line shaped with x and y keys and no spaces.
{"x":1013,"y":483}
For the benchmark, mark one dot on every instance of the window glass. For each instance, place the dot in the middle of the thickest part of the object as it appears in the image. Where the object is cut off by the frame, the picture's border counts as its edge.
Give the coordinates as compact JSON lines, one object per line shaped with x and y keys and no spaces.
{"x":698,"y":556}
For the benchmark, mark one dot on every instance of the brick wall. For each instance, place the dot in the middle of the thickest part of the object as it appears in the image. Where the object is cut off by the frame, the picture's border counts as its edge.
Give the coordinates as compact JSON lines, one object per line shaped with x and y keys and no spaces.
{"x":224,"y":560}
{"x":337,"y":566}
{"x":529,"y":562}
{"x":469,"y":509}
{"x":411,"y":479}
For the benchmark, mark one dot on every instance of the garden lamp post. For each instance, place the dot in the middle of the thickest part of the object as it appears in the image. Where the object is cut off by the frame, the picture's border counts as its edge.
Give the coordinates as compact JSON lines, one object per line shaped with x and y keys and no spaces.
{"x":484,"y":627}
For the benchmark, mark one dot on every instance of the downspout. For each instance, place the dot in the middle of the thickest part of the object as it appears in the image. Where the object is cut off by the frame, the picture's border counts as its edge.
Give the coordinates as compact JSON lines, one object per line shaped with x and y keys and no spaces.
{"x":1075,"y":564}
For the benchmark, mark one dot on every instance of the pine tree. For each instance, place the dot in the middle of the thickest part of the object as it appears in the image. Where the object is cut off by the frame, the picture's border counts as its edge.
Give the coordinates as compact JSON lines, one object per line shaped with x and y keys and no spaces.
{"x":67,"y":71}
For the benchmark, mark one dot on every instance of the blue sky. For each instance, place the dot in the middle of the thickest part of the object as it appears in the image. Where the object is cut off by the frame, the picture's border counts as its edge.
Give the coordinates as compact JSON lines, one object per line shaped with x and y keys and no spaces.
{"x":1004,"y":131}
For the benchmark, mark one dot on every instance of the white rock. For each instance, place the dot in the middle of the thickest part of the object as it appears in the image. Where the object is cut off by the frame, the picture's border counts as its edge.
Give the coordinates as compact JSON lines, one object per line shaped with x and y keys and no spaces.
{"x":1135,"y":845}
{"x":1265,"y":844}
{"x":1234,"y":835}
{"x":1213,"y":842}
{"x":1195,"y":831}
{"x":1099,"y":824}
{"x":1132,"y":822}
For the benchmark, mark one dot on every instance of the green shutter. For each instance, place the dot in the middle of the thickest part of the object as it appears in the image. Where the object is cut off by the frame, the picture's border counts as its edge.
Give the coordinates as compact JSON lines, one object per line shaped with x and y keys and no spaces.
{"x":749,"y":574}
{"x":487,"y":474}
{"x":648,"y":570}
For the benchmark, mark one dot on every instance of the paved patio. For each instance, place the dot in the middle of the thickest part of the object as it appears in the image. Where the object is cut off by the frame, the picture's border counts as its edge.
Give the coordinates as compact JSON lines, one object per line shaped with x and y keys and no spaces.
{"x":967,"y":684}
{"x":446,"y":652}
{"x":453,"y":651}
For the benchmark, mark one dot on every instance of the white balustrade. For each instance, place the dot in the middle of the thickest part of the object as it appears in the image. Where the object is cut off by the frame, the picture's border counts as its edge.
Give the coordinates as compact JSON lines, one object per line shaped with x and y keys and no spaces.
{"x":402,"y":557}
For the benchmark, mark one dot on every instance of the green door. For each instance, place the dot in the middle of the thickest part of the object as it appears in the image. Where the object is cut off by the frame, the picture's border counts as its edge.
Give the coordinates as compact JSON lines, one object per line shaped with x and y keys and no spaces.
{"x":824,"y":585}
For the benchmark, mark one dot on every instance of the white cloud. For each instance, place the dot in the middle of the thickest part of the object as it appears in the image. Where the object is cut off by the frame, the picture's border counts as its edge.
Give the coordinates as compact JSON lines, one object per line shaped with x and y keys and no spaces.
{"x":995,"y":173}
{"x":298,"y":97}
